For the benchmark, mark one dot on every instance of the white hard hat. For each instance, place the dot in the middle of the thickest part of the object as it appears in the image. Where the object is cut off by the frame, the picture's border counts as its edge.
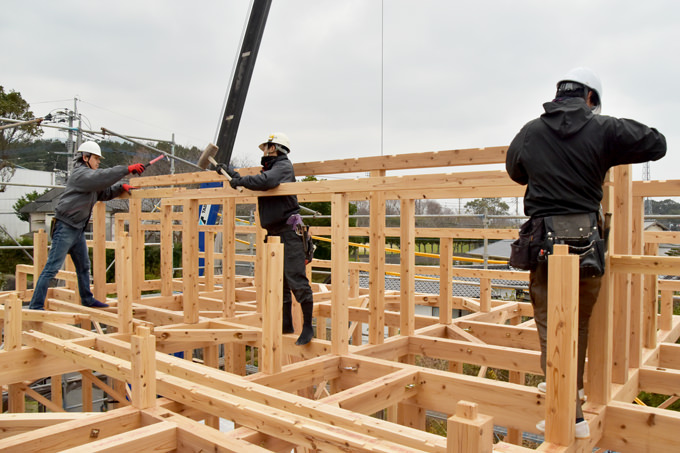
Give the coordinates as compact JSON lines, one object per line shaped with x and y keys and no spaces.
{"x":91,"y":148}
{"x":587,"y":77}
{"x":277,"y":138}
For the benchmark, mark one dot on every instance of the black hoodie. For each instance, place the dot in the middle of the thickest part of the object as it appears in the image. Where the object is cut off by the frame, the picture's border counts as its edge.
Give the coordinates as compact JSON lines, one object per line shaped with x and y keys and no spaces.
{"x":564,"y":155}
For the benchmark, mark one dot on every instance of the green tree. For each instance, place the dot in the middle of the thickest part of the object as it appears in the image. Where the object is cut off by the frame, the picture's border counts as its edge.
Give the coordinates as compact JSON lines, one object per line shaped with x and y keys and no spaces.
{"x":14,"y":107}
{"x":664,"y":207}
{"x":23,"y":201}
{"x":495,"y":206}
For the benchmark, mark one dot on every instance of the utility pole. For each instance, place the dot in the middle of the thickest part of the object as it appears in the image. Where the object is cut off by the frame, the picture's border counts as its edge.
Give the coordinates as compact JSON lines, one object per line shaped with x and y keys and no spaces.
{"x":172,"y":153}
{"x":79,"y":137}
{"x":69,"y":146}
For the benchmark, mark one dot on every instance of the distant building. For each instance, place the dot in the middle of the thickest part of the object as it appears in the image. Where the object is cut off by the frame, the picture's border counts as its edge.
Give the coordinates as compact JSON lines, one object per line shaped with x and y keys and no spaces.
{"x":41,"y":212}
{"x":8,"y":218}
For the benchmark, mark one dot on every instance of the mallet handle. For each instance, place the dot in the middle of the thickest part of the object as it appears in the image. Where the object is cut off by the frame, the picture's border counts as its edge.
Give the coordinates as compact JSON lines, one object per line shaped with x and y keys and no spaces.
{"x":226,"y":175}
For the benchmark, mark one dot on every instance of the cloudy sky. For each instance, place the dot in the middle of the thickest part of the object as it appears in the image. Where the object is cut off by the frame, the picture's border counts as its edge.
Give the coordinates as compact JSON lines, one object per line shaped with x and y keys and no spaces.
{"x":343,"y":78}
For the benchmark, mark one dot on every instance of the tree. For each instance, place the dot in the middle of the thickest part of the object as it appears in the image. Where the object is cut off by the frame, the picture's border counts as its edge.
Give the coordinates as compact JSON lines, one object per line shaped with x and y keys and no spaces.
{"x":495,"y":206}
{"x":13,"y":106}
{"x":23,"y":201}
{"x":664,"y":207}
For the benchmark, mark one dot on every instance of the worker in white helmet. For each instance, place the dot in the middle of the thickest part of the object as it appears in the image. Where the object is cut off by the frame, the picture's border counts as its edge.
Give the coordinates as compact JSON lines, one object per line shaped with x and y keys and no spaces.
{"x":280,"y":216}
{"x":563,"y":157}
{"x":86,"y":185}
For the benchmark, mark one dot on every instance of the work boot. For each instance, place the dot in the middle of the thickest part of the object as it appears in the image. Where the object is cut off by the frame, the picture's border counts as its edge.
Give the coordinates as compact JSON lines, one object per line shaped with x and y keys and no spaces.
{"x":287,"y":319}
{"x":96,"y":304}
{"x":307,"y":330}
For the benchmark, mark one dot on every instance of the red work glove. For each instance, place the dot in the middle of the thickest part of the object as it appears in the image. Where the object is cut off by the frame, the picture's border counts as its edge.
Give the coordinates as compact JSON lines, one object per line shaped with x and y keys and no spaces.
{"x":137,"y":169}
{"x":128,"y":188}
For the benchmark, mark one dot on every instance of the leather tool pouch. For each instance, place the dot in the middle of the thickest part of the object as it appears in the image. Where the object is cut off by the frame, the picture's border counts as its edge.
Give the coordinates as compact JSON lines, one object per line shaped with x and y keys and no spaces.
{"x":302,"y":230}
{"x":525,"y":250}
{"x":581,"y":233}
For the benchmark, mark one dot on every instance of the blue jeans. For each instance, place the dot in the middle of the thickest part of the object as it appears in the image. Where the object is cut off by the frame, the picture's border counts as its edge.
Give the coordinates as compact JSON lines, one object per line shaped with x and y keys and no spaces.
{"x":65,"y":240}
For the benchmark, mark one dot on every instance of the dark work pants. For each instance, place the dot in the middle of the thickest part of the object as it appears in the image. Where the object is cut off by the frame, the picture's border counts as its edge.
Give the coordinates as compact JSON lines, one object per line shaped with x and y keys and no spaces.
{"x":294,"y":273}
{"x":589,"y":288}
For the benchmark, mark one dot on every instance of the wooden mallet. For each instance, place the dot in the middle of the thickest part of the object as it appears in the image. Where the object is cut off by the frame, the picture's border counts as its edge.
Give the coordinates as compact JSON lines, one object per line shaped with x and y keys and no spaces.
{"x":208,"y":157}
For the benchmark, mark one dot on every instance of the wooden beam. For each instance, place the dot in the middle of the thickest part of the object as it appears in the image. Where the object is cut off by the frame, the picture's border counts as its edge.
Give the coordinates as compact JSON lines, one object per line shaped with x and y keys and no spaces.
{"x":339,"y":254}
{"x":407,"y":269}
{"x":469,"y":430}
{"x":376,"y":283}
{"x":74,"y":433}
{"x":124,"y":281}
{"x":190,"y":260}
{"x":561,"y":352}
{"x":270,"y":359}
{"x":629,"y":427}
{"x":143,"y":363}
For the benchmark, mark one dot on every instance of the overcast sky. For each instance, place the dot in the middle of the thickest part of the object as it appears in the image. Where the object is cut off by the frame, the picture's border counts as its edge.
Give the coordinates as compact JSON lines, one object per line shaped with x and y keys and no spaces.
{"x":343,"y":78}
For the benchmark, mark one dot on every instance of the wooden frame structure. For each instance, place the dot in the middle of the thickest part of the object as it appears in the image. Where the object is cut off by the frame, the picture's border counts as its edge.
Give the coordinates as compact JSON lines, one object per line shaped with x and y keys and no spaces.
{"x":321,"y":397}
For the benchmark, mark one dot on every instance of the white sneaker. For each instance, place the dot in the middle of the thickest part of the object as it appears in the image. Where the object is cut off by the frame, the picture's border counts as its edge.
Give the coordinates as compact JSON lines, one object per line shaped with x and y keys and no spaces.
{"x":543,"y":387}
{"x":581,"y":430}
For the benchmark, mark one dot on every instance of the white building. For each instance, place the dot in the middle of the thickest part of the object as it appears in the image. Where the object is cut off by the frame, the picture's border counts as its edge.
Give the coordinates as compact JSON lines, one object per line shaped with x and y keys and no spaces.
{"x":11,"y":194}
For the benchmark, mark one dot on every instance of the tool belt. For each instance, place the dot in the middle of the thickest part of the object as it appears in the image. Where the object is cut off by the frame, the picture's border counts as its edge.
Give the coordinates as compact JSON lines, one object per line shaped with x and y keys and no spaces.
{"x":302,"y":230}
{"x":581,"y":232}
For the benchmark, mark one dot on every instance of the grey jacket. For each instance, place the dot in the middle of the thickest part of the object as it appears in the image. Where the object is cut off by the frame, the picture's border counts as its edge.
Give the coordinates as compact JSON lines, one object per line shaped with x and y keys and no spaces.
{"x":274,"y":211}
{"x":84,"y":188}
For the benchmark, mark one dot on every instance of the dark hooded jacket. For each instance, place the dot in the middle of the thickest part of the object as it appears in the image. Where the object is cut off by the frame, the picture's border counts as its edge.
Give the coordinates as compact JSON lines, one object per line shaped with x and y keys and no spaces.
{"x":564,"y":155}
{"x":274,"y":211}
{"x":84,"y":188}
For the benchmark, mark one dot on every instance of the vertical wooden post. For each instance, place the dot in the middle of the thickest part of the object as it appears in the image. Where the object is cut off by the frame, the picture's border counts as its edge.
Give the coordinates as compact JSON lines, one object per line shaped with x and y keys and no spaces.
{"x":376,"y":277}
{"x":209,"y":260}
{"x":355,"y":326}
{"x":72,"y":284}
{"x":599,"y":370}
{"x":166,"y":249}
{"x":260,"y":235}
{"x":86,"y":394}
{"x":445,"y":277}
{"x":469,"y":431}
{"x":143,"y":348}
{"x":137,"y":250}
{"x":561,"y":353}
{"x":636,"y":283}
{"x":485,"y":295}
{"x":666,"y":310}
{"x":229,"y":257}
{"x":190,"y":260}
{"x":99,"y":251}
{"x":12,"y":330}
{"x":339,"y":269}
{"x":411,"y":415}
{"x":124,"y":273}
{"x":56,"y":390}
{"x":621,"y":227}
{"x":272,"y":338}
{"x":211,"y":358}
{"x":39,"y":254}
{"x":408,"y":266}
{"x":650,"y":304}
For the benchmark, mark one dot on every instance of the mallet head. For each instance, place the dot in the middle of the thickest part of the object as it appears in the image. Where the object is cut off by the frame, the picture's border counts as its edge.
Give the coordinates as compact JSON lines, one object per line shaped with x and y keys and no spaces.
{"x":207,"y":156}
